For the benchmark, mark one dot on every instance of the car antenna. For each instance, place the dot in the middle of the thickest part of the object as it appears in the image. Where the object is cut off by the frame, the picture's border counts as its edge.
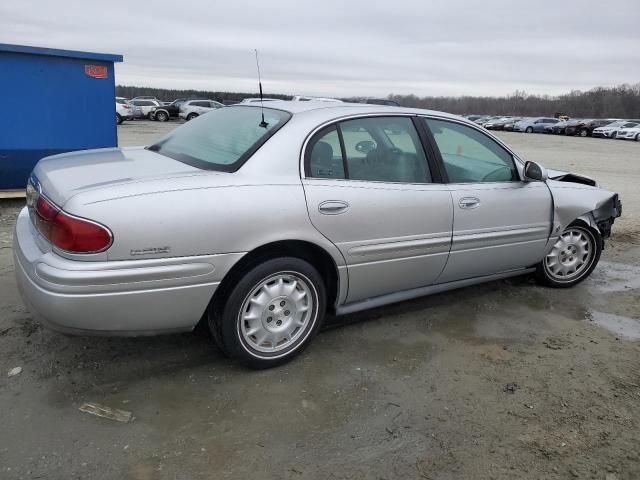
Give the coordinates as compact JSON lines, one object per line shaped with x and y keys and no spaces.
{"x":263,"y":124}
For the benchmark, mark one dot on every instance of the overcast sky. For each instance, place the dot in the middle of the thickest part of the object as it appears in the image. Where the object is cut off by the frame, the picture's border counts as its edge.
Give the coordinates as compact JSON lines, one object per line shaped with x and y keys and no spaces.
{"x":342,"y":48}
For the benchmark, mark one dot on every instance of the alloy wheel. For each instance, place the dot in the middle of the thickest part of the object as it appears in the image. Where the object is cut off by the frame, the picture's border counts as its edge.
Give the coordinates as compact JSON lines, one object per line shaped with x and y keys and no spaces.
{"x":571,"y":255}
{"x":277,"y":313}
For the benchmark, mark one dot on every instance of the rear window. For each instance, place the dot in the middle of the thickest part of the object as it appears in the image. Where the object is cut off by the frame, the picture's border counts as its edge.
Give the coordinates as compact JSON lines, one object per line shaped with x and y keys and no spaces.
{"x":223,"y":139}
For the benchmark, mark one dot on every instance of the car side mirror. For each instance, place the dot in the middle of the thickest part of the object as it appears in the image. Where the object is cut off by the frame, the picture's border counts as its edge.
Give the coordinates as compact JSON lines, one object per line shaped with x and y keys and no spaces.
{"x":536,"y":172}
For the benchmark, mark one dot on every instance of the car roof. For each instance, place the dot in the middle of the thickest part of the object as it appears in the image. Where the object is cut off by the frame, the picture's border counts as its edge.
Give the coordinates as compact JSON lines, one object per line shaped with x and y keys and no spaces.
{"x":335,"y":110}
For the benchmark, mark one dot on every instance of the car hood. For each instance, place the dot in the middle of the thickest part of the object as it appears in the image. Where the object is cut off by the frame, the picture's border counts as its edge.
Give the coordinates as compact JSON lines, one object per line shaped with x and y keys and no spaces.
{"x":65,"y":175}
{"x":561,"y":176}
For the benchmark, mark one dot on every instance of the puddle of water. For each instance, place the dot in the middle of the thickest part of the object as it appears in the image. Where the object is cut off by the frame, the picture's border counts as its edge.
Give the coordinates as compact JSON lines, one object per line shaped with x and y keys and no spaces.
{"x":616,"y":277}
{"x":624,"y":327}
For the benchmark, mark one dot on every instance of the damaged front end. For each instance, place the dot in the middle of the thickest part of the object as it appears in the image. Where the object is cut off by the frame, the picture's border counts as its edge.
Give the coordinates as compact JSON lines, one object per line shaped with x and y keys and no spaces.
{"x":577,"y":198}
{"x":606,"y":215}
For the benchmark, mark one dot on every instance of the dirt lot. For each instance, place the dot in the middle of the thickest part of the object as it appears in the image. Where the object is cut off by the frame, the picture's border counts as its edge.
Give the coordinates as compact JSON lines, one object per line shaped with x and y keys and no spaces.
{"x":501,"y":381}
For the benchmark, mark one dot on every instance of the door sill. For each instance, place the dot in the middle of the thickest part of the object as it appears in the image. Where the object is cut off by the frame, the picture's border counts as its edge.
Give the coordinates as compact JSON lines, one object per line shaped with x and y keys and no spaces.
{"x":403,"y":295}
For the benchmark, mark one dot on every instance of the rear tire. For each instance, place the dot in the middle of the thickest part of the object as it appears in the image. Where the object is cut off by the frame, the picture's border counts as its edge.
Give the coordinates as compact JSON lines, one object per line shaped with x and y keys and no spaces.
{"x":161,"y":116}
{"x":529,"y":130}
{"x":119,"y":119}
{"x":572,"y":258}
{"x":271,"y":314}
{"x":191,"y":116}
{"x":584,"y":132}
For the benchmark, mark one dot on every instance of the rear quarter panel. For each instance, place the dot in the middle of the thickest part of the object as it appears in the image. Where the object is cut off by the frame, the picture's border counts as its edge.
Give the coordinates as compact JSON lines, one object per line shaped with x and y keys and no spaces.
{"x":206,"y":220}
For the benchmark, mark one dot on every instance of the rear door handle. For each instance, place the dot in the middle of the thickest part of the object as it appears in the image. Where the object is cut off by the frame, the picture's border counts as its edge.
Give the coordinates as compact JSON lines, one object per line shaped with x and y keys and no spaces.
{"x":469,"y":202}
{"x":333,"y":207}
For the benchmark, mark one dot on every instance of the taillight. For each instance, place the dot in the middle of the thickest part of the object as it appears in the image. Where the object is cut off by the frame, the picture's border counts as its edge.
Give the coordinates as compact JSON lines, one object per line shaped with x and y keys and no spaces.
{"x":69,"y":233}
{"x":125,"y":105}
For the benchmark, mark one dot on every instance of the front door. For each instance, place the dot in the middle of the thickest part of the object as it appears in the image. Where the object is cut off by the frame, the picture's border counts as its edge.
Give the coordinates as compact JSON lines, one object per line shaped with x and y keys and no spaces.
{"x":501,"y":223}
{"x":370,"y":190}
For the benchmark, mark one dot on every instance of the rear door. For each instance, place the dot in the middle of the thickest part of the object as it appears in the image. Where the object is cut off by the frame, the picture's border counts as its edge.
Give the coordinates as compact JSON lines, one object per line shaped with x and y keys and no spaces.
{"x":371,"y":189}
{"x":501,"y":223}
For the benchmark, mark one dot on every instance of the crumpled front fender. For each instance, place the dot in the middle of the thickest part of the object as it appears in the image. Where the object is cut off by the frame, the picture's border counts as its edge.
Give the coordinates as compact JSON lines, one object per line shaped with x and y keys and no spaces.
{"x":595,"y":206}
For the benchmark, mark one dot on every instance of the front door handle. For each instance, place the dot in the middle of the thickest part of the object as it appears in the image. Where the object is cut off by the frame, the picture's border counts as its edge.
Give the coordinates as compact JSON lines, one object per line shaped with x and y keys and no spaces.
{"x":469,"y":202}
{"x":333,"y":207}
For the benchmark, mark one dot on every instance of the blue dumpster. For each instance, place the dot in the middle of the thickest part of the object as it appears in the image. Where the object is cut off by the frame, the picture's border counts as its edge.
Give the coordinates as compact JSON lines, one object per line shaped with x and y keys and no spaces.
{"x":53,"y":101}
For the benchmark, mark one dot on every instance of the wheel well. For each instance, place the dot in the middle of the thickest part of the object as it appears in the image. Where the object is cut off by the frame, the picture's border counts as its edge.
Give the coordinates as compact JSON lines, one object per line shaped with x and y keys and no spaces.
{"x":581,"y":222}
{"x":312,"y":253}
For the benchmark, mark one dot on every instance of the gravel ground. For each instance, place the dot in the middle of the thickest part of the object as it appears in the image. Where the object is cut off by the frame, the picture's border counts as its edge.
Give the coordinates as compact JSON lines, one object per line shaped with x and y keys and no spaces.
{"x":499,"y":381}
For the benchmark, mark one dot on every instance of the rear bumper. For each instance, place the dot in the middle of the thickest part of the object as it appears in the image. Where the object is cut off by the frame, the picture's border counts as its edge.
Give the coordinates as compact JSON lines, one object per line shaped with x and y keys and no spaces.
{"x":133,"y":297}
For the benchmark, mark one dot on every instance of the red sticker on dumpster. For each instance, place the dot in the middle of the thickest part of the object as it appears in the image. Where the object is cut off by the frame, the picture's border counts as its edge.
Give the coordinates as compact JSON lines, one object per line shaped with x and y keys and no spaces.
{"x":96,"y":71}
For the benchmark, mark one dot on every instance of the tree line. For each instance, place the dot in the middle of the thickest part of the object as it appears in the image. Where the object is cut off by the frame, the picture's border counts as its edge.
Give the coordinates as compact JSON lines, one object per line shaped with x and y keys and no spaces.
{"x":621,"y":101}
{"x":166,"y":94}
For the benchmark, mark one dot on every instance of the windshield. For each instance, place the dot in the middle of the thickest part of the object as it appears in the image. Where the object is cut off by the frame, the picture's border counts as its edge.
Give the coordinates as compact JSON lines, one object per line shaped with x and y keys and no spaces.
{"x":222,"y":139}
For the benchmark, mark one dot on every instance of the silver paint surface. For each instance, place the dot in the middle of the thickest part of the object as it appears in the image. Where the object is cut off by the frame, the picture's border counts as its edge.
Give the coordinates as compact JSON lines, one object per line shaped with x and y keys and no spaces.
{"x":384,"y":238}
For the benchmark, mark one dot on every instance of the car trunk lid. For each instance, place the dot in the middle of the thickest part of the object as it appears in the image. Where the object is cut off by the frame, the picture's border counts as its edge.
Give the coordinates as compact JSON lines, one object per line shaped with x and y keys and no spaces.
{"x":65,"y":175}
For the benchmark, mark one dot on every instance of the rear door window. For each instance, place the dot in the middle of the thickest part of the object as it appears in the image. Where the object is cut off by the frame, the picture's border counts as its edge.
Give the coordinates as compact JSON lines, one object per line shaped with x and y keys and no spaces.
{"x":375,"y":149}
{"x":325,"y":158}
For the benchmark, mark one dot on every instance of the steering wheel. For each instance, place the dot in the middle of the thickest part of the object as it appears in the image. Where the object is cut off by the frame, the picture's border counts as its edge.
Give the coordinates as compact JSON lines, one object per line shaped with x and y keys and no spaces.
{"x":498,"y":175}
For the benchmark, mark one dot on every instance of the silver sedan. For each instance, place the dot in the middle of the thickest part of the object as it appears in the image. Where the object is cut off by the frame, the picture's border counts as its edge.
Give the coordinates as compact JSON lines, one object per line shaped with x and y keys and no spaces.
{"x":256,"y":222}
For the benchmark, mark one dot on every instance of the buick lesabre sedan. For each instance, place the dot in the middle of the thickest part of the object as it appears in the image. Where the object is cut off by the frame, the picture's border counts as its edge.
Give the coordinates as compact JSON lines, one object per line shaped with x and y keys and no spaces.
{"x":256,"y":222}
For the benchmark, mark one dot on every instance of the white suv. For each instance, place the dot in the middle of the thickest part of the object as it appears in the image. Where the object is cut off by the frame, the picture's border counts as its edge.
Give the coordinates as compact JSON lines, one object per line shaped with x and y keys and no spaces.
{"x":123,"y":110}
{"x":193,"y":108}
{"x":145,"y":105}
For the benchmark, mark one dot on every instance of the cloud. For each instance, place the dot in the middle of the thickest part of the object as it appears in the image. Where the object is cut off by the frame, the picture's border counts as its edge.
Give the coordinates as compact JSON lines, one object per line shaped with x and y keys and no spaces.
{"x":346,"y":48}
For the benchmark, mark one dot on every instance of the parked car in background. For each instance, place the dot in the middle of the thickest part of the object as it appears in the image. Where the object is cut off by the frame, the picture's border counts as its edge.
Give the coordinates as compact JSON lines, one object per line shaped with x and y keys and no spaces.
{"x":500,"y":123}
{"x":146,"y":106}
{"x":585,"y":127}
{"x":147,"y":97}
{"x":381,"y":101}
{"x":156,"y":239}
{"x":611,"y":130}
{"x":482,"y":120}
{"x":556,"y":128}
{"x":194,"y":108}
{"x":123,"y":110}
{"x":257,"y":100}
{"x":508,"y":127}
{"x":303,"y":98}
{"x":164,"y":113}
{"x":535,"y":124}
{"x":629,"y":133}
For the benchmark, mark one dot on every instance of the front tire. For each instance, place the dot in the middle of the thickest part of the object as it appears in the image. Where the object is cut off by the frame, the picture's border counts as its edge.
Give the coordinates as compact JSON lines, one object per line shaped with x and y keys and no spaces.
{"x":271,"y":314}
{"x":161,"y":116}
{"x":572,"y":258}
{"x":529,"y":130}
{"x":584,"y":132}
{"x":614,"y":135}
